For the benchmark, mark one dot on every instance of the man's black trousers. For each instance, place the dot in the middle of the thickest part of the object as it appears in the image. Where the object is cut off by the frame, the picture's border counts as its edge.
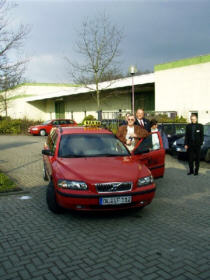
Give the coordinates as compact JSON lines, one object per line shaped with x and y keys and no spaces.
{"x":194,"y":155}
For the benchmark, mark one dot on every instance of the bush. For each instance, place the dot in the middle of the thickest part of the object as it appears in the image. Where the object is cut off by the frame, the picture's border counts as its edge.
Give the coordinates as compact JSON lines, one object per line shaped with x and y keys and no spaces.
{"x":15,"y":126}
{"x":162,"y":118}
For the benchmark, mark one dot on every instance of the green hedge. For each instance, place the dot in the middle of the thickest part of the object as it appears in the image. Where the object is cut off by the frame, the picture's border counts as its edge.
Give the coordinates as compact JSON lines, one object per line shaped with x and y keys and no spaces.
{"x":162,"y":118}
{"x":15,"y":126}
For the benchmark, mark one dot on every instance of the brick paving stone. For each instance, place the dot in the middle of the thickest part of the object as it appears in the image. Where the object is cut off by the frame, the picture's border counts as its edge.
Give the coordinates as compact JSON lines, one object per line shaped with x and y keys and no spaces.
{"x":2,"y":271}
{"x":205,"y":275}
{"x":24,"y":274}
{"x":50,"y":276}
{"x":11,"y":276}
{"x":164,"y":275}
{"x":107,"y":276}
{"x":81,"y":274}
{"x":168,"y":240}
{"x":151,"y":276}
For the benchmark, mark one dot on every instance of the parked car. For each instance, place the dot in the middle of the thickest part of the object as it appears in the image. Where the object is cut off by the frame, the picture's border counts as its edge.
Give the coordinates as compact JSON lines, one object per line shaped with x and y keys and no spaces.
{"x":90,"y":169}
{"x":173,"y":132}
{"x":178,"y":149}
{"x":45,"y":128}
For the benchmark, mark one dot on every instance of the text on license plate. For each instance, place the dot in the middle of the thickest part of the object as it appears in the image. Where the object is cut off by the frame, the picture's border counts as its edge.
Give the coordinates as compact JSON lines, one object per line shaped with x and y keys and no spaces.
{"x":115,"y":200}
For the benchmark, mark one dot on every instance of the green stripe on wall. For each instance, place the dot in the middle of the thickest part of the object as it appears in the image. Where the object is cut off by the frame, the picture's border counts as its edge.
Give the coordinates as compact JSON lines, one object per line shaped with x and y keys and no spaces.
{"x":183,"y":62}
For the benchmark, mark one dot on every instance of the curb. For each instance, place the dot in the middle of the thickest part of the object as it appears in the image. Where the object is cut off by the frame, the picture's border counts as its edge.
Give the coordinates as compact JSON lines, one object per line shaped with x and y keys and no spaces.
{"x":14,"y":193}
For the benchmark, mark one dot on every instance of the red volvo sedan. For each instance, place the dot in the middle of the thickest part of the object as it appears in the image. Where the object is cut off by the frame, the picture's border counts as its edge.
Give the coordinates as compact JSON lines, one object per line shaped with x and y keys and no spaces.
{"x":90,"y":169}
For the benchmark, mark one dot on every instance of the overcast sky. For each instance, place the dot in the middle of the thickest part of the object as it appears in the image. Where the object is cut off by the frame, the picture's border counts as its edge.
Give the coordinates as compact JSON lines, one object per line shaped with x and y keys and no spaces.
{"x":155,"y":31}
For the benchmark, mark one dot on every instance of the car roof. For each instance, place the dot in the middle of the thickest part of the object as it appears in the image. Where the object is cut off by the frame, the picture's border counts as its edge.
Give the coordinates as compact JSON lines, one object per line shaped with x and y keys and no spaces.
{"x":84,"y":130}
{"x":61,"y":119}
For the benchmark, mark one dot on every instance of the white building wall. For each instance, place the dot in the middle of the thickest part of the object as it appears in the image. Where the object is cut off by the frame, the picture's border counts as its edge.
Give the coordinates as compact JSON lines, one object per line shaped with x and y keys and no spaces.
{"x":185,"y":90}
{"x":37,"y":110}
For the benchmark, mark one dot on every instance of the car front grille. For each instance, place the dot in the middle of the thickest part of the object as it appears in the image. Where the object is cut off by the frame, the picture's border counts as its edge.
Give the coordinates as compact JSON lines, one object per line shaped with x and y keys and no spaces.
{"x":114,"y":187}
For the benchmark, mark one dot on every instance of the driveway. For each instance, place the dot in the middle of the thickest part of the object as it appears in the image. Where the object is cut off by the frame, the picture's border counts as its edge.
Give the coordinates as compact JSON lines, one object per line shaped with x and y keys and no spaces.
{"x":169,"y":239}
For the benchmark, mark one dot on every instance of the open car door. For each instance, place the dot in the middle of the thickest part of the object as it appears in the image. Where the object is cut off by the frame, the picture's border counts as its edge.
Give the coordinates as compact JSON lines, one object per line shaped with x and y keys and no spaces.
{"x":150,"y":151}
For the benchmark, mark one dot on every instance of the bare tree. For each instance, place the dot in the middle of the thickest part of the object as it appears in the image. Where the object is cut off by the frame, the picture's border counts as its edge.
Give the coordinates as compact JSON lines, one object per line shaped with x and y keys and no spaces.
{"x":11,"y":70}
{"x":98,"y":45}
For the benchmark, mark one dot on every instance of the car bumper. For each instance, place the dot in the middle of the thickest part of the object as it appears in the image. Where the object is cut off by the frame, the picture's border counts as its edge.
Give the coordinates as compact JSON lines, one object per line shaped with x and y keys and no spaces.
{"x":33,"y":132}
{"x":91,"y":202}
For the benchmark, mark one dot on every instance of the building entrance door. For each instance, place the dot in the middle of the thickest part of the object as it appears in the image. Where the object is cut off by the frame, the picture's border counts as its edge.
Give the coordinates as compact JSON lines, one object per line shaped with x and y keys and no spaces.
{"x":59,"y":110}
{"x":144,"y":100}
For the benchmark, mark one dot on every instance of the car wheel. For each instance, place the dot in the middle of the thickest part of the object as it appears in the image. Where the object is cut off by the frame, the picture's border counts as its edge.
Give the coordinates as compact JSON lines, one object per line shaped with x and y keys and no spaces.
{"x":207,"y":155}
{"x":42,"y":132}
{"x":45,"y":177}
{"x":51,"y":199}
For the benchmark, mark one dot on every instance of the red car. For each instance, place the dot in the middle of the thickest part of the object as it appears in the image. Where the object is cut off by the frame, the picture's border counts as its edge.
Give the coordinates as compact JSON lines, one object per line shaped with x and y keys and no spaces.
{"x":90,"y":169}
{"x":45,"y":128}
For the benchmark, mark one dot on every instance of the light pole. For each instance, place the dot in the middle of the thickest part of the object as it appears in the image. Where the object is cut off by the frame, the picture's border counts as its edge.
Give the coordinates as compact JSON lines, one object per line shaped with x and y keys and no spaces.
{"x":132,"y":70}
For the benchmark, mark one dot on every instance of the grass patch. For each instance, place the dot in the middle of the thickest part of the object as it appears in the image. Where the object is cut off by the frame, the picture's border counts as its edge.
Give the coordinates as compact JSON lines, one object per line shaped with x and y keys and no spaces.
{"x":6,"y":184}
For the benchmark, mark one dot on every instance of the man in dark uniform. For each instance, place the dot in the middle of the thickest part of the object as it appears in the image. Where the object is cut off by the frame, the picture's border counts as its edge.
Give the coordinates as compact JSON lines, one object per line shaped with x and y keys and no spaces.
{"x":141,"y":121}
{"x":193,"y":141}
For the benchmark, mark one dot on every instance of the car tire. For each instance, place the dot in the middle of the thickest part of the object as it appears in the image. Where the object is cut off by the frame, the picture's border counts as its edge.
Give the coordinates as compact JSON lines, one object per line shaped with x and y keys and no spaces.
{"x":207,"y":155}
{"x":42,"y":132}
{"x":51,"y":199}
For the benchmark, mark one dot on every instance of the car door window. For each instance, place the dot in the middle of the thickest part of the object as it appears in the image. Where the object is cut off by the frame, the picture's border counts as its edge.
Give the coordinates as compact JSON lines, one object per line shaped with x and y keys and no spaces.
{"x":151,"y":143}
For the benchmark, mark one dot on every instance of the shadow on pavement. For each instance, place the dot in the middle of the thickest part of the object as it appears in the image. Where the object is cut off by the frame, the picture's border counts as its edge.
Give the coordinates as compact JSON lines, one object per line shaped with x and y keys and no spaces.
{"x":15,"y":145}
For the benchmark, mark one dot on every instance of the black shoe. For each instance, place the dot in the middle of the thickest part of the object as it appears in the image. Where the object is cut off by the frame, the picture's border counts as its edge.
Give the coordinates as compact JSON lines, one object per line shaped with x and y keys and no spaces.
{"x":190,"y":173}
{"x":196,"y":173}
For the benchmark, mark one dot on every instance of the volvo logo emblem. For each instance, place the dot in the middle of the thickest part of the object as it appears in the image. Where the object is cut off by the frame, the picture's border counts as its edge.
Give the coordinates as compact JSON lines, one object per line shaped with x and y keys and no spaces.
{"x":115,"y":187}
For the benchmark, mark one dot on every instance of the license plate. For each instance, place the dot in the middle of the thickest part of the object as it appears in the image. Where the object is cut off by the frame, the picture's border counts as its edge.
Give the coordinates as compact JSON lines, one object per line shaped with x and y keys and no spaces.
{"x":115,"y":200}
{"x":181,"y":150}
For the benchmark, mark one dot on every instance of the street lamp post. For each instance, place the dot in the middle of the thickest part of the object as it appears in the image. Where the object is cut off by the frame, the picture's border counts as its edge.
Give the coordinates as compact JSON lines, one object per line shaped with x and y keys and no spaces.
{"x":132,"y":71}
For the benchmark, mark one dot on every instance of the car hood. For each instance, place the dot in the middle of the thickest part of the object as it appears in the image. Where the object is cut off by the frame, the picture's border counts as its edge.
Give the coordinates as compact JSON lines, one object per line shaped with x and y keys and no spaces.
{"x":100,"y":169}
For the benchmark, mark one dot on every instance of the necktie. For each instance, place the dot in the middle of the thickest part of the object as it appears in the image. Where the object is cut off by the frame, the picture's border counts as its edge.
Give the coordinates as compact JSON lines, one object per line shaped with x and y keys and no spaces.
{"x":141,"y":123}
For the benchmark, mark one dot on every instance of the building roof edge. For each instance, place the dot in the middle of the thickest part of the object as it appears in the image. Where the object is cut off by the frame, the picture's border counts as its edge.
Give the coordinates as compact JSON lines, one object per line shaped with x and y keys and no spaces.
{"x":183,"y":62}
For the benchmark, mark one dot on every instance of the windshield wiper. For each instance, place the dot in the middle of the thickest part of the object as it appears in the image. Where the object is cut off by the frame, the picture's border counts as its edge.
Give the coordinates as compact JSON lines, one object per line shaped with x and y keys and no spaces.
{"x":72,"y":156}
{"x":112,"y":155}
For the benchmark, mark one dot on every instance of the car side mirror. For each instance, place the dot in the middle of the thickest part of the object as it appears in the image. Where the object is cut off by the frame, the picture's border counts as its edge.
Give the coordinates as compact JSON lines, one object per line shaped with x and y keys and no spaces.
{"x":48,"y":153}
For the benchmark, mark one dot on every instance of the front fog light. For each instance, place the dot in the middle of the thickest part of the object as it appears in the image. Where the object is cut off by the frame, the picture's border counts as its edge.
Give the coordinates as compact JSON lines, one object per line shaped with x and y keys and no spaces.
{"x":145,"y":181}
{"x":73,"y":185}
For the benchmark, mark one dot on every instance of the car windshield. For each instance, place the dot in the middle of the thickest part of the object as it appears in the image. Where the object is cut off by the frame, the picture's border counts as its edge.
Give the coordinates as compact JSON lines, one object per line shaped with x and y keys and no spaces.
{"x":180,"y":141}
{"x":91,"y":145}
{"x":46,"y":122}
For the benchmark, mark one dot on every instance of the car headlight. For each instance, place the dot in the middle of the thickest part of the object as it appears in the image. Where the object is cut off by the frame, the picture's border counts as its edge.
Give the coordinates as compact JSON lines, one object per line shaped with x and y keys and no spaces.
{"x":34,"y":128}
{"x":145,"y":181}
{"x":73,"y":185}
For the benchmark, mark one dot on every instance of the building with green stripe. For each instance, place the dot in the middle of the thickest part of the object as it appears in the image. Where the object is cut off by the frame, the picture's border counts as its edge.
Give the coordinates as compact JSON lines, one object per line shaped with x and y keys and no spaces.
{"x":181,"y":87}
{"x":184,"y":86}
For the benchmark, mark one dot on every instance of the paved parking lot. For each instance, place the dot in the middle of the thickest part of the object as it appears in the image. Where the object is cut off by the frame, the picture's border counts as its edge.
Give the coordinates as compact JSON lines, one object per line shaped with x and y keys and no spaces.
{"x":170,"y":239}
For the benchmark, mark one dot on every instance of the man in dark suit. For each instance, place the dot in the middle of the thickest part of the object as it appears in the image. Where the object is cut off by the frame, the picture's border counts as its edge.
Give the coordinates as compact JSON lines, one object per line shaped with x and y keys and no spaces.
{"x":141,"y":121}
{"x":193,"y":141}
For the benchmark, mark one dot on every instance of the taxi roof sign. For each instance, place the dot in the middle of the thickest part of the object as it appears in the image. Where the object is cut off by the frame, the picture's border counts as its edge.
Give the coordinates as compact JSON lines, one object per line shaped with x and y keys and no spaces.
{"x":92,"y":123}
